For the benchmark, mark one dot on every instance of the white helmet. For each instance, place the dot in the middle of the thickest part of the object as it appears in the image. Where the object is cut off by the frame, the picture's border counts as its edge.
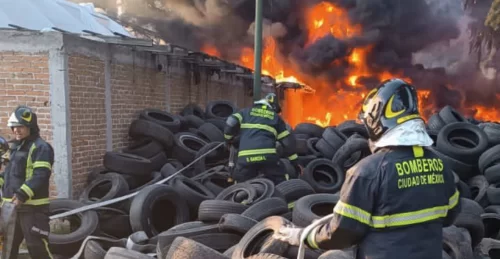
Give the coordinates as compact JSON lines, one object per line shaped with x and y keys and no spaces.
{"x":13,"y":121}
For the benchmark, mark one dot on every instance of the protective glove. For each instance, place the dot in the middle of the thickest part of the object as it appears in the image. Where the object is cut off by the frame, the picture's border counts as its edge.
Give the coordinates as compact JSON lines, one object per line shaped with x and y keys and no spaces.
{"x":288,"y":234}
{"x":298,"y":168}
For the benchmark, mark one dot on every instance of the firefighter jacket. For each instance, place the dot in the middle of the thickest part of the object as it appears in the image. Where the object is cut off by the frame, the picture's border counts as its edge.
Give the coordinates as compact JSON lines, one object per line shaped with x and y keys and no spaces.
{"x":392,"y":205}
{"x":27,"y":174}
{"x":259,"y":128}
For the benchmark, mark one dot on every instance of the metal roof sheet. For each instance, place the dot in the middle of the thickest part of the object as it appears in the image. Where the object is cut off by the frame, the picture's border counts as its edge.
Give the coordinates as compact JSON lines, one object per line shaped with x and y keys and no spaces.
{"x":64,"y":15}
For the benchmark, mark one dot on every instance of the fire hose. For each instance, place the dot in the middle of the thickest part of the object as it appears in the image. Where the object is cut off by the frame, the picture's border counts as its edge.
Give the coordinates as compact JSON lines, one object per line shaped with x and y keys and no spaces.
{"x":307,"y":230}
{"x":128,"y":196}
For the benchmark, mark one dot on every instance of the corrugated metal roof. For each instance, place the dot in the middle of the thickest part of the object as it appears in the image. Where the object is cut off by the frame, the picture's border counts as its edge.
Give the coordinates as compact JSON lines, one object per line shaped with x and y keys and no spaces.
{"x":64,"y":15}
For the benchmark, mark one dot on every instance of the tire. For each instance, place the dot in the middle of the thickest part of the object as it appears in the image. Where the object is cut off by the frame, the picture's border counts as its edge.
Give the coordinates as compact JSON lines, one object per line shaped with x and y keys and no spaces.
{"x":213,"y":210}
{"x":435,"y":123}
{"x":338,"y":254}
{"x":220,"y":109}
{"x":127,"y":164}
{"x":259,"y":239}
{"x":493,"y":174}
{"x":167,"y":238}
{"x":146,"y":148}
{"x":96,"y":249}
{"x":463,"y":170}
{"x":110,"y":218}
{"x":184,"y":248}
{"x":478,"y":186}
{"x":68,"y":244}
{"x":194,"y":110}
{"x":334,"y":138}
{"x":294,"y":189}
{"x":332,"y":175}
{"x":211,"y":133}
{"x":193,"y":121}
{"x":351,"y":153}
{"x":123,"y":253}
{"x":266,"y":208}
{"x":186,"y":147}
{"x":96,"y":172}
{"x":266,"y":256}
{"x":488,"y":248}
{"x":351,"y":127}
{"x":323,"y":204}
{"x":456,"y":243}
{"x":470,"y":219}
{"x":243,"y":193}
{"x":157,"y":208}
{"x":325,"y":149}
{"x":311,"y":146}
{"x":309,"y":129}
{"x":493,"y":194}
{"x":489,"y":158}
{"x":219,"y":242}
{"x":492,"y":130}
{"x":165,"y":119}
{"x":491,"y":222}
{"x":450,"y":115}
{"x":117,"y":186}
{"x":470,"y":144}
{"x":158,"y":161}
{"x":145,"y":128}
{"x":235,"y":223}
{"x":218,"y":157}
{"x":192,"y":192}
{"x":301,"y":144}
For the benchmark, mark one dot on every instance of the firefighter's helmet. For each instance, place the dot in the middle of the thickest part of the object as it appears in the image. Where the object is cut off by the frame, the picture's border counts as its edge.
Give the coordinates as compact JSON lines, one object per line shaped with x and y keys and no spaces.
{"x":393,"y":102}
{"x":22,"y":116}
{"x":272,"y":101}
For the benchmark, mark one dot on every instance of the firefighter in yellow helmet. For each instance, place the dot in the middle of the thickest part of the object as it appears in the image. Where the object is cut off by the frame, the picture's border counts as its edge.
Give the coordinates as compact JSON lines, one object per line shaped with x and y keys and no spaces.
{"x":395,"y":202}
{"x":25,"y":183}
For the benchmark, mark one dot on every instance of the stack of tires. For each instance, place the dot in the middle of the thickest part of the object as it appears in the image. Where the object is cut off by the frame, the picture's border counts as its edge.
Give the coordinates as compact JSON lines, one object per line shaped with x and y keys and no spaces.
{"x":199,"y":214}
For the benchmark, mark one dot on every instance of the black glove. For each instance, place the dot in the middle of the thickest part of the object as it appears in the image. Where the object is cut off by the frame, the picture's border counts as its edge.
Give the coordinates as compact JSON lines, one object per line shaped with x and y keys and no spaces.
{"x":298,"y":168}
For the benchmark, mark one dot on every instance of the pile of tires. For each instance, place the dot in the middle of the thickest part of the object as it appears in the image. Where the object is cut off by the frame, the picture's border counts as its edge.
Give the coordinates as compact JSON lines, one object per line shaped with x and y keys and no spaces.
{"x":200,"y":214}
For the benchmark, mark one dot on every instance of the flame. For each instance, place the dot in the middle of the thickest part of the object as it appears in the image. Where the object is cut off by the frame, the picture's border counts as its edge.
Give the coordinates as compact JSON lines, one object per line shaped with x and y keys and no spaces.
{"x":332,"y":102}
{"x":210,"y":50}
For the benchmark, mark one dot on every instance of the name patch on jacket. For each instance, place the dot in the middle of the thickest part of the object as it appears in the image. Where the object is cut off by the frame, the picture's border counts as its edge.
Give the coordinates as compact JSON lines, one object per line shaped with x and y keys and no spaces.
{"x":419,"y":171}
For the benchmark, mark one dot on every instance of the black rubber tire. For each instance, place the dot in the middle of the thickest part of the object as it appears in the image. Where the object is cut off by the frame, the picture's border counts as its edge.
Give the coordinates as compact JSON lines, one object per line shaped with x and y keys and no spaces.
{"x":310,"y":129}
{"x":266,"y":256}
{"x":493,"y":174}
{"x":468,"y":153}
{"x":158,"y":161}
{"x":301,"y":144}
{"x":489,"y":158}
{"x":218,"y":157}
{"x":68,"y":244}
{"x":194,"y":110}
{"x":306,"y":208}
{"x":124,"y":253}
{"x":96,"y":249}
{"x":325,"y":149}
{"x":184,"y":248}
{"x":351,"y":152}
{"x":259,"y":239}
{"x":470,"y":219}
{"x":294,"y":189}
{"x":165,"y":119}
{"x":305,"y":160}
{"x":493,"y":194}
{"x":235,"y":223}
{"x":210,"y":133}
{"x":456,"y":242}
{"x":193,"y":121}
{"x":292,"y":252}
{"x":492,"y":130}
{"x":145,"y":128}
{"x":337,"y":254}
{"x":479,"y":186}
{"x":333,"y":184}
{"x":127,"y":164}
{"x":166,"y":238}
{"x":186,"y":147}
{"x":220,"y":109}
{"x":463,"y":170}
{"x":243,"y":193}
{"x":143,"y":210}
{"x":194,"y":193}
{"x":117,"y":186}
{"x":491,"y":222}
{"x":145,"y":147}
{"x":266,"y":208}
{"x":449,"y":115}
{"x":311,"y":146}
{"x":110,"y":218}
{"x":435,"y":123}
{"x":219,"y":242}
{"x":334,"y":138}
{"x":213,"y":210}
{"x":351,"y":127}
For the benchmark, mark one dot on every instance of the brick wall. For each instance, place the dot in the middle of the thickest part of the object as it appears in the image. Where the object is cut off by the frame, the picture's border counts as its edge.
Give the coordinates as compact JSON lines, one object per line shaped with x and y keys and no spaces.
{"x":88,"y":116}
{"x":24,"y":79}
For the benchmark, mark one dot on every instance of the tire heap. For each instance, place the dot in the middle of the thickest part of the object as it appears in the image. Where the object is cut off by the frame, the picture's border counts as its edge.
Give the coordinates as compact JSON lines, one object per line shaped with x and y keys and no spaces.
{"x":200,"y":215}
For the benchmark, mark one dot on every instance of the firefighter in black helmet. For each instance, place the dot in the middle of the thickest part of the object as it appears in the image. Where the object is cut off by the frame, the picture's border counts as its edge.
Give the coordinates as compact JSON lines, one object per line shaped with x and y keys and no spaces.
{"x":260,"y":127}
{"x":395,"y":202}
{"x":25,"y":183}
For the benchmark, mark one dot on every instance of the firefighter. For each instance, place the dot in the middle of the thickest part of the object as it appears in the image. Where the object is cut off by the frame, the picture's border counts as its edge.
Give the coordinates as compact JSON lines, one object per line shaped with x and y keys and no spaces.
{"x":395,"y":202}
{"x":25,"y":183}
{"x":259,"y":128}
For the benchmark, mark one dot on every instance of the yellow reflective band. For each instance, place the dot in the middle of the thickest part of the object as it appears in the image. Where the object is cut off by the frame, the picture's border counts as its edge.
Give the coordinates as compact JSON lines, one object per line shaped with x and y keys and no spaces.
{"x":287,"y":177}
{"x":352,"y":212}
{"x":418,"y":151}
{"x":42,"y":164}
{"x":29,"y":163}
{"x":293,"y":157}
{"x":228,"y":136}
{"x":259,"y":126}
{"x":283,"y":134}
{"x":42,"y":201}
{"x":27,"y":190}
{"x":47,"y":248}
{"x":454,"y":200}
{"x":1,"y":181}
{"x":253,"y":152}
{"x":238,"y":116}
{"x":291,"y":205}
{"x":395,"y":220}
{"x":311,"y":238}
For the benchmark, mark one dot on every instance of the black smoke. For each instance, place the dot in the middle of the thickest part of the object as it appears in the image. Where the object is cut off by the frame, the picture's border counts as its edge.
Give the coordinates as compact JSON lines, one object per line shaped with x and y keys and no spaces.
{"x":396,"y":29}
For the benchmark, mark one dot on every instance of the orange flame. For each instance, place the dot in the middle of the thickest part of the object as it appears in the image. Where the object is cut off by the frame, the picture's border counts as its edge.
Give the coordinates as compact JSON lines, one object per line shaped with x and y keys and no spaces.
{"x":331,"y":104}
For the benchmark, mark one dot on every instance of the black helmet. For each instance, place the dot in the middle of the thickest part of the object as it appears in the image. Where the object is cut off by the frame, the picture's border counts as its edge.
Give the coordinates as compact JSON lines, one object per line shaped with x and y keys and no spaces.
{"x":24,"y":116}
{"x":271,"y":100}
{"x":393,"y":102}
